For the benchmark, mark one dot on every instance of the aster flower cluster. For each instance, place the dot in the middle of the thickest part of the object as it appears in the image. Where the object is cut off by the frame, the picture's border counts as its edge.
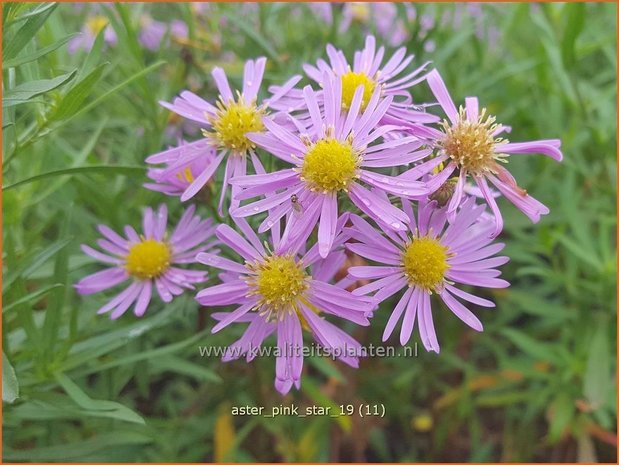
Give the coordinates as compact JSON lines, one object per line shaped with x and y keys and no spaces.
{"x":407,"y":188}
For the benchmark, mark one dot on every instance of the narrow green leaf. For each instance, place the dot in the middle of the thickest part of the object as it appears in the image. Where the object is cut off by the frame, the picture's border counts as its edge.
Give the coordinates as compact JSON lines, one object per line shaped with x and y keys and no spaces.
{"x":589,"y":257}
{"x":96,"y":346}
{"x":73,"y":100}
{"x":102,"y":169}
{"x":575,"y":23}
{"x":252,"y":34}
{"x":73,"y":451}
{"x":92,"y":59}
{"x":28,"y":90}
{"x":562,"y":410}
{"x":32,"y":265}
{"x":26,"y":32}
{"x":40,"y":8}
{"x":184,"y":367}
{"x":114,"y":89}
{"x":103,"y":408}
{"x":78,"y":158}
{"x":32,"y":297}
{"x":327,"y":367}
{"x":598,"y":375}
{"x":131,"y":37}
{"x":53,"y":313}
{"x":539,"y":351}
{"x":148,"y":355}
{"x":20,"y":60}
{"x":10,"y":386}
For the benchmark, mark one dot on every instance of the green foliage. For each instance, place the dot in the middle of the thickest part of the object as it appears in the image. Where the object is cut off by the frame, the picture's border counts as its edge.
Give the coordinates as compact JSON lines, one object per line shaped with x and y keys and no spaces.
{"x":538,"y":384}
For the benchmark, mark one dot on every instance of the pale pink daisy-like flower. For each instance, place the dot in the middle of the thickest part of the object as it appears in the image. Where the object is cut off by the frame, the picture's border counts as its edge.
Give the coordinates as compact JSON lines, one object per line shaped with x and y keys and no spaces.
{"x":368,"y":71}
{"x":429,"y":259}
{"x":152,"y":32}
{"x":282,"y":292}
{"x":336,"y":154}
{"x":92,"y":27}
{"x":224,"y":126}
{"x":469,"y":142}
{"x":384,"y":15}
{"x":148,"y":260}
{"x":175,"y":182}
{"x":323,"y":10}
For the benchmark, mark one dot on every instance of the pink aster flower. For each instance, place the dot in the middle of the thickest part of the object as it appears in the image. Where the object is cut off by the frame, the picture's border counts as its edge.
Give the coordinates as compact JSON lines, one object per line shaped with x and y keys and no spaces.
{"x":152,"y":32}
{"x":224,"y":126}
{"x":148,"y":260}
{"x":430,"y":258}
{"x":384,"y":15}
{"x":336,"y":154}
{"x":92,"y":26}
{"x":469,"y":142}
{"x":323,"y":10}
{"x":175,"y":181}
{"x":282,"y":292}
{"x":368,"y":70}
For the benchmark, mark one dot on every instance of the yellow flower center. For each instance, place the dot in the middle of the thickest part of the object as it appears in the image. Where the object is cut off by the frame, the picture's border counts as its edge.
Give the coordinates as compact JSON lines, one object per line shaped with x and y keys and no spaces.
{"x":471,"y":144}
{"x":350,"y":82}
{"x":425,"y":263}
{"x":330,"y":165}
{"x":232,"y":123}
{"x":148,"y":259}
{"x":360,"y":11}
{"x":279,"y":282}
{"x":96,"y":23}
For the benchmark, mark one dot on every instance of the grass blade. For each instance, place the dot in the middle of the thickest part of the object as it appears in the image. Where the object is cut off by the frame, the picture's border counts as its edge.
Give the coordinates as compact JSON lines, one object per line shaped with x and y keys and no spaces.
{"x":104,"y":169}
{"x":15,"y":62}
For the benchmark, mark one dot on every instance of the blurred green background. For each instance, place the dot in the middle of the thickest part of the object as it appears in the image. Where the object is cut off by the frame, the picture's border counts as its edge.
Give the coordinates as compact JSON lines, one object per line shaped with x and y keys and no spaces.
{"x":537,"y":385}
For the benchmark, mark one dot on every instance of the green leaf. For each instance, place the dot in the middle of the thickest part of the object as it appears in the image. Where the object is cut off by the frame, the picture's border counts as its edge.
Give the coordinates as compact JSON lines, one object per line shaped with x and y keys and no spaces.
{"x":28,"y":90}
{"x":32,"y":265}
{"x":102,"y":169}
{"x":115,"y":89}
{"x":589,"y":257}
{"x":327,"y":367}
{"x":15,"y":62}
{"x":26,"y":32}
{"x":540,"y":351}
{"x":41,"y":8}
{"x":10,"y":386}
{"x":109,"y":341}
{"x":79,"y":449}
{"x":53,"y":313}
{"x":184,"y":367}
{"x":72,"y":101}
{"x":575,"y":23}
{"x":102,"y":408}
{"x":31,"y":297}
{"x":153,"y":354}
{"x":598,"y":375}
{"x":93,"y":56}
{"x":562,"y":410}
{"x":252,"y":34}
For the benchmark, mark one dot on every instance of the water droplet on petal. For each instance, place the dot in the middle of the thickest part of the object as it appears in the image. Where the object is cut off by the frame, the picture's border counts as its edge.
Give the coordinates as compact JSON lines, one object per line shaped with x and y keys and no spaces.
{"x":256,"y":209}
{"x":396,"y":225}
